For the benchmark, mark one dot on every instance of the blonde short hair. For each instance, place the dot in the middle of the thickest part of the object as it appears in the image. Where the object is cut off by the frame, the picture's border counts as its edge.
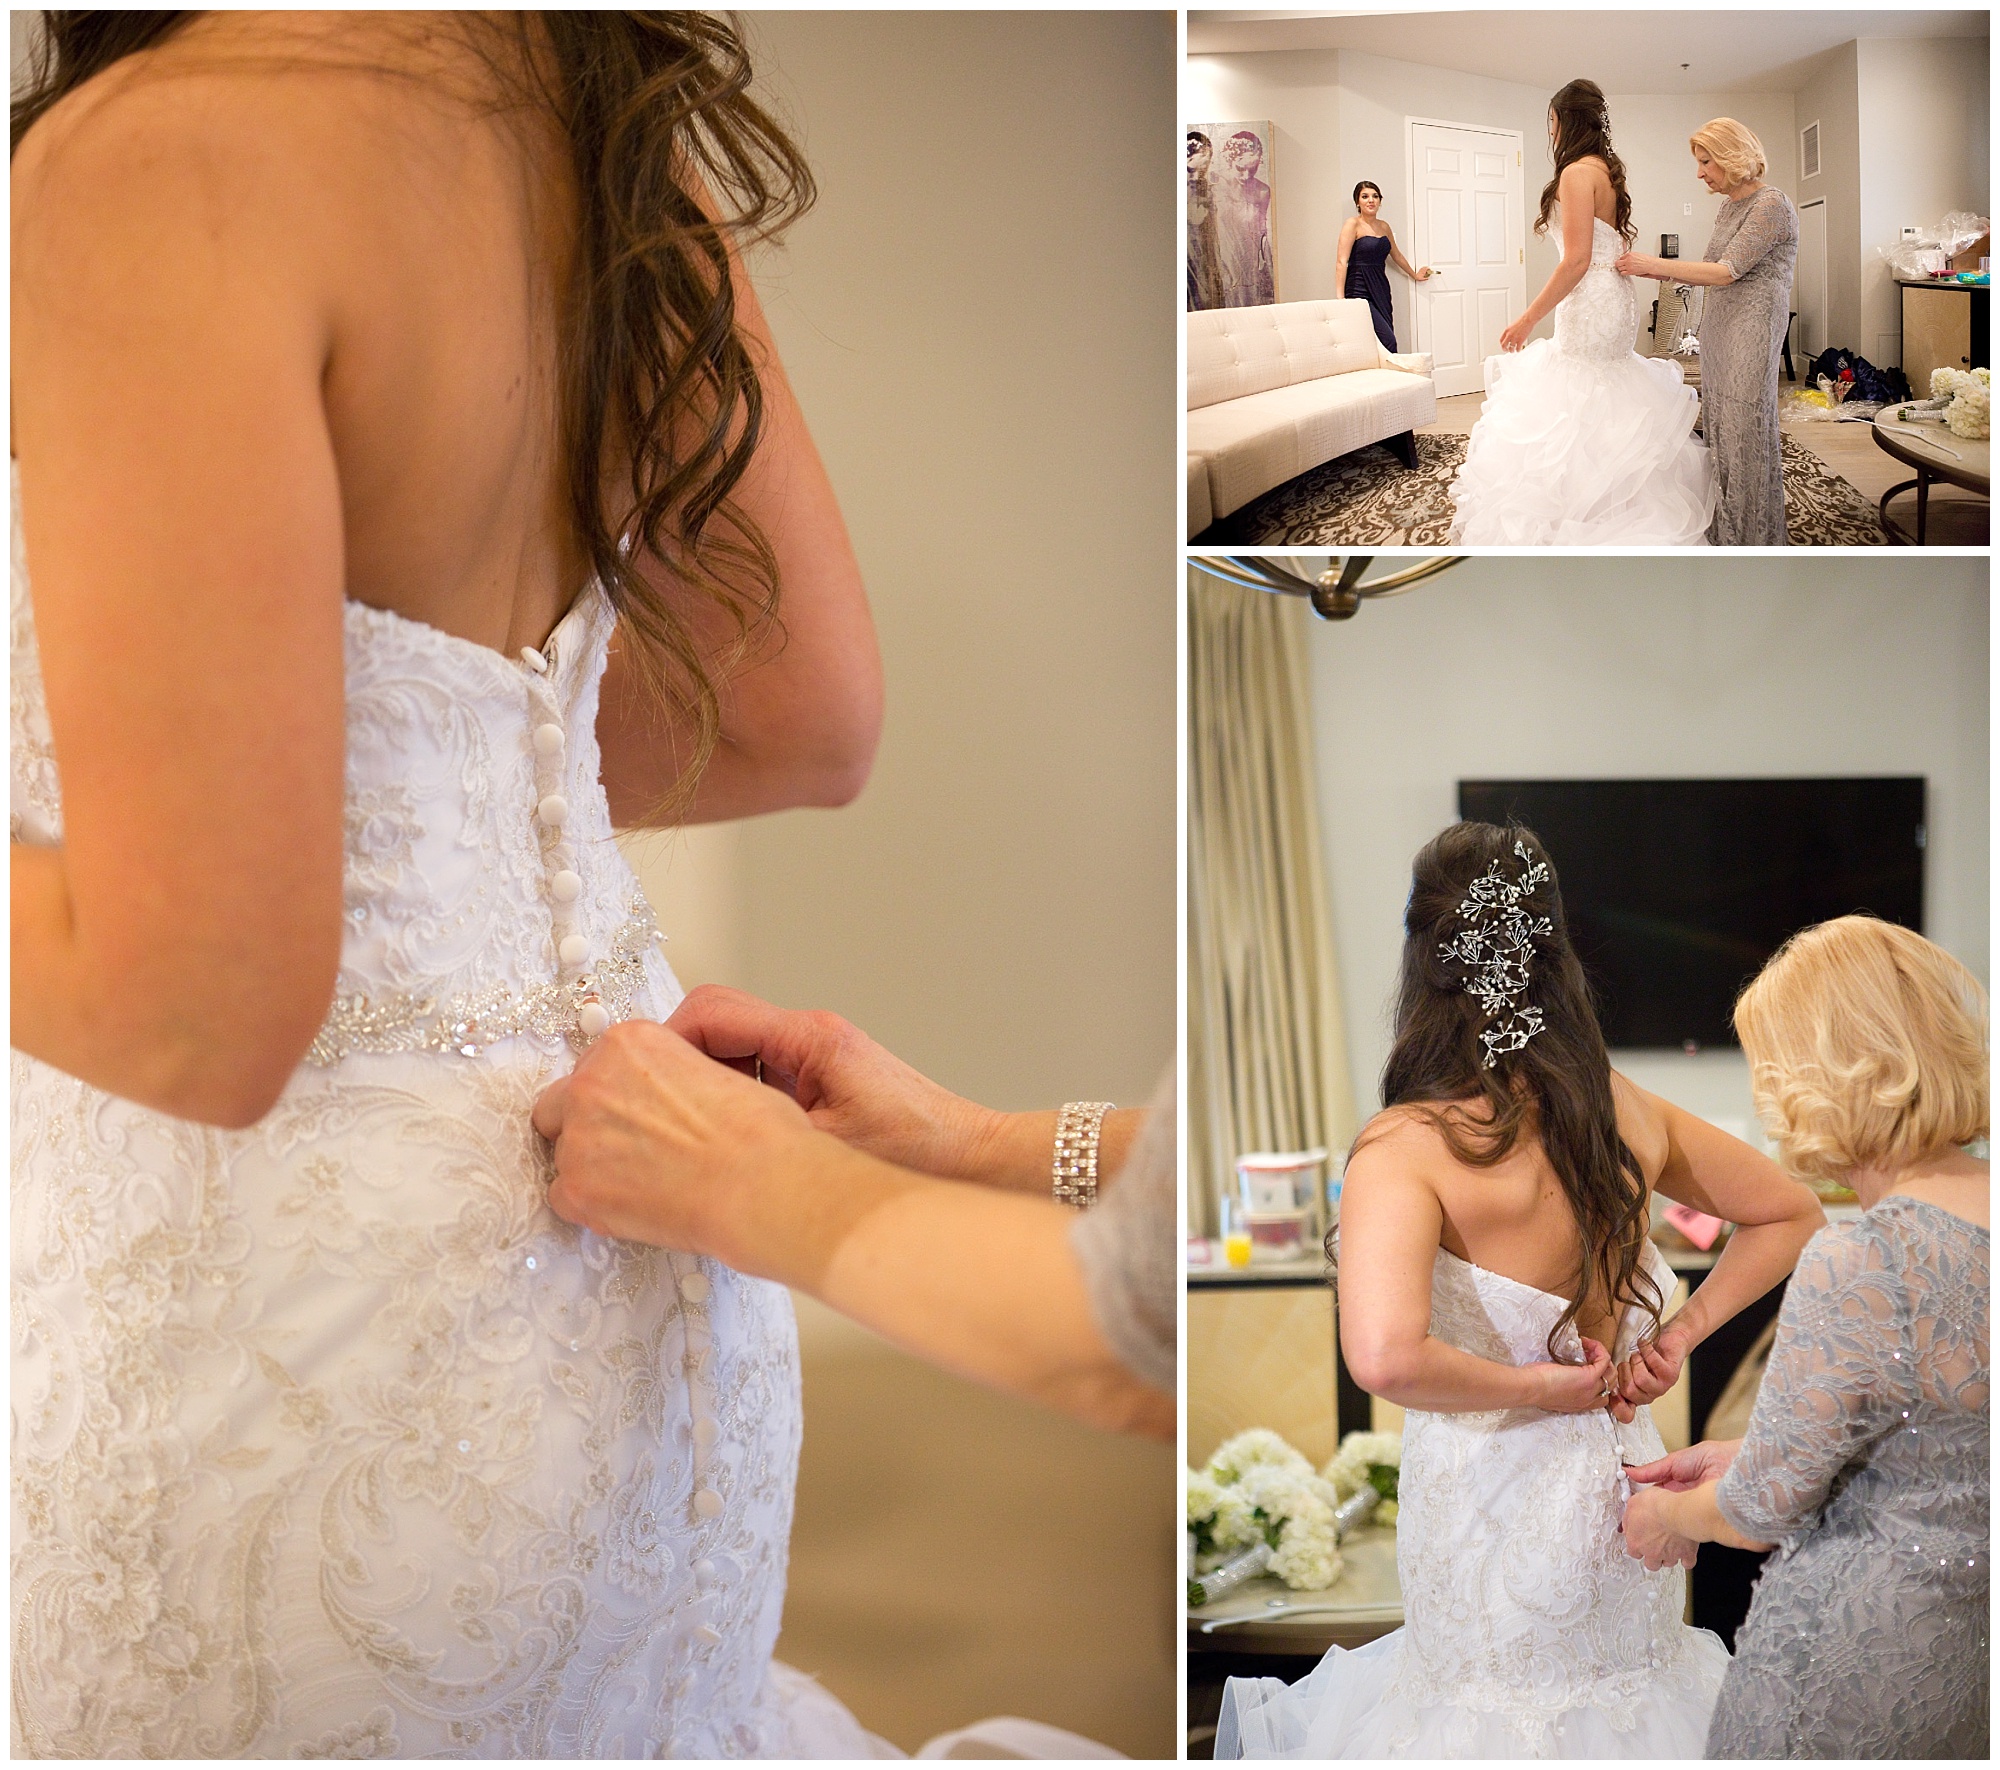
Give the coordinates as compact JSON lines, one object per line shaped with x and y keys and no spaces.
{"x":1867,"y":1048}
{"x":1732,"y":147}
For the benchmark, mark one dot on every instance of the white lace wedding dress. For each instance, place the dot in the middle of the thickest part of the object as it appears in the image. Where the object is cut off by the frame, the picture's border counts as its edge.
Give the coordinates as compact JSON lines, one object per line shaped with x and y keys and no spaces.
{"x":1528,"y":1631}
{"x":329,"y":1439}
{"x":1582,"y":442}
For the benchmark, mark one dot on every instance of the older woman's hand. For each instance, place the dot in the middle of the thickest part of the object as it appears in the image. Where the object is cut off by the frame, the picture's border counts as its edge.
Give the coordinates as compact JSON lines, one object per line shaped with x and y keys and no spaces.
{"x":846,"y":1083}
{"x":1638,"y":264}
{"x":1649,"y":1533}
{"x":656,"y":1143}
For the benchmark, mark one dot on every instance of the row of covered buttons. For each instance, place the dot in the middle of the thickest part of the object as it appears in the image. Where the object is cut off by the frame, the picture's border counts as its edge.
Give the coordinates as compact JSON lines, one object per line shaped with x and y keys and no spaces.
{"x":551,"y":746}
{"x":695,"y":1291}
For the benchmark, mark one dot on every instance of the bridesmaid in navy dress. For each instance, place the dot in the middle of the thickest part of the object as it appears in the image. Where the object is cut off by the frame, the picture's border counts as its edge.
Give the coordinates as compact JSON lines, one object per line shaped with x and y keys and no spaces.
{"x":1367,"y":245}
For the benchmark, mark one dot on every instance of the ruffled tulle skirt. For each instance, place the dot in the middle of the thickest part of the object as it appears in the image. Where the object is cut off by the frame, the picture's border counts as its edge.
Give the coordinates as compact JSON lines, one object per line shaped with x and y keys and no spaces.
{"x":1350,"y":1706}
{"x":1580,"y":451}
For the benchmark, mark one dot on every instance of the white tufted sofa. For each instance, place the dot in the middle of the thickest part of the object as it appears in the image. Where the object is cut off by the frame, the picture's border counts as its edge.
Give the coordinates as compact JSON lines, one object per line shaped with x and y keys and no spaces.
{"x":1274,"y":391}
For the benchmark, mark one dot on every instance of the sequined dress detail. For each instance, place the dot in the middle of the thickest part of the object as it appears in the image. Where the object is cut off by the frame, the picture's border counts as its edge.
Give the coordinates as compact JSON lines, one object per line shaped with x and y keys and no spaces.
{"x":1869,"y":1635}
{"x":1528,"y":1631}
{"x":329,"y":1439}
{"x":1581,"y":441}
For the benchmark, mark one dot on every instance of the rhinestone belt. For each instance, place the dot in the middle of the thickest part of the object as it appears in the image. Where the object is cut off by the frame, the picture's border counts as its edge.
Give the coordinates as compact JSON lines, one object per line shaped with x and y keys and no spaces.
{"x":576,"y":1009}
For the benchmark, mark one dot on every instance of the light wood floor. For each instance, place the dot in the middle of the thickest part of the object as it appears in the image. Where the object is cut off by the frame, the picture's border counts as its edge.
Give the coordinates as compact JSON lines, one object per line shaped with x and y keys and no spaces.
{"x":1957,"y":518}
{"x":957,"y":1555}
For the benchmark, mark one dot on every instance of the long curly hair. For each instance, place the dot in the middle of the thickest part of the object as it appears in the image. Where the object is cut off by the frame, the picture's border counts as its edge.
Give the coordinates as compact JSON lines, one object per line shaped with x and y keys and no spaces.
{"x":1583,"y":127}
{"x":662,"y":404}
{"x":1555,"y":1087}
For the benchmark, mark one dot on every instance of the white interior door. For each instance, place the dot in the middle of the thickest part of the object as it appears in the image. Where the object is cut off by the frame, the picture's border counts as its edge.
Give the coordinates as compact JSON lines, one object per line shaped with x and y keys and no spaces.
{"x":1466,"y":224}
{"x":1809,"y":281}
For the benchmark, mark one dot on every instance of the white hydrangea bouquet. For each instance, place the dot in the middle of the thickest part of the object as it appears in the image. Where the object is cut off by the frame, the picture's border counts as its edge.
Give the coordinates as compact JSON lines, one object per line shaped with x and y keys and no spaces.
{"x":1258,"y":1492}
{"x":1961,"y":401}
{"x":1365,"y":1460}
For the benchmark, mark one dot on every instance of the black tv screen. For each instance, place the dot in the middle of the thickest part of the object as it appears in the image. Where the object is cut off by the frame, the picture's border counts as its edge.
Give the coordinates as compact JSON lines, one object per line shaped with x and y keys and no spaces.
{"x":1678,"y":891}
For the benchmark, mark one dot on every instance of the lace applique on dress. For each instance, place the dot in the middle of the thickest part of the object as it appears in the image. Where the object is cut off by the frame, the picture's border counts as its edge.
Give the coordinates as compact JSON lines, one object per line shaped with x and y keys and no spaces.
{"x":329,"y":1438}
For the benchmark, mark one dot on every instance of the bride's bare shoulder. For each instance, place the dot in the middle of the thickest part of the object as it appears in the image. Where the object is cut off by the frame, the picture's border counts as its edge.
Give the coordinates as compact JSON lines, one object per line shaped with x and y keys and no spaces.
{"x":1402,"y":1140}
{"x":1642,"y":1122}
{"x":245,"y":115}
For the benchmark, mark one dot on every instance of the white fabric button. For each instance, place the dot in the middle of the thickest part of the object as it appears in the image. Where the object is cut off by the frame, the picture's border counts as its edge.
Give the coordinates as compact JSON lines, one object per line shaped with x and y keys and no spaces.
{"x":707,"y":1503}
{"x":548,"y":740}
{"x":592,"y":1018}
{"x":706,"y":1432}
{"x":566,"y":886}
{"x":704,"y":1570}
{"x":534,"y":660}
{"x":695,"y":1287}
{"x":574,"y":949}
{"x":704,"y":1636}
{"x":553,"y":810}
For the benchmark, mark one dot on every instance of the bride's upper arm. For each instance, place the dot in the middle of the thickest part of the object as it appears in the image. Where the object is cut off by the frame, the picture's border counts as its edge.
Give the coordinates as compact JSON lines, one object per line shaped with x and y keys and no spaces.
{"x":1577,"y":192}
{"x":1707,"y":1168}
{"x":1390,"y":1228}
{"x":183,"y":528}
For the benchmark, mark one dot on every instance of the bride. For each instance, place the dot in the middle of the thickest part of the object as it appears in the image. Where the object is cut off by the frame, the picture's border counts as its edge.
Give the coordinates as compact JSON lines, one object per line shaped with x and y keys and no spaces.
{"x":1583,"y":442}
{"x":401,"y":453}
{"x":1496,"y":1279}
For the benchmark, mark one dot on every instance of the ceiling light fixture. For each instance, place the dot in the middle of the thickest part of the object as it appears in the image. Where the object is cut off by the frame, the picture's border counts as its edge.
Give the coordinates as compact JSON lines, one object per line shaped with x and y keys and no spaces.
{"x":1336,"y":594}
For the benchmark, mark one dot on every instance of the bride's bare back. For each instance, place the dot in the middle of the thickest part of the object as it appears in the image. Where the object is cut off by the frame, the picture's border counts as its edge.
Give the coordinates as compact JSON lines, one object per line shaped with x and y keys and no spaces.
{"x":286,"y":303}
{"x":1514,"y":1218}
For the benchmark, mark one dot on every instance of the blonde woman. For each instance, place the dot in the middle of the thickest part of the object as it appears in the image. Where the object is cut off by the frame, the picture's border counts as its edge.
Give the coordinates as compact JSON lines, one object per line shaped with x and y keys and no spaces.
{"x":1866,"y":1458}
{"x":1748,"y":269}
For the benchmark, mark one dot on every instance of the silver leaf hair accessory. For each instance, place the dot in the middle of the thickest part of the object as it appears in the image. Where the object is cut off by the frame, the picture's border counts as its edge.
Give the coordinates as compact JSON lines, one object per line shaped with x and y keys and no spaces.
{"x":1497,"y":945}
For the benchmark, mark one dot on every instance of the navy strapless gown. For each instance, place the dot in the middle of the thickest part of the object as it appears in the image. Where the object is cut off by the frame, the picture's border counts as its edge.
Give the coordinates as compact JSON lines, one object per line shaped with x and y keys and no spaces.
{"x":1368,"y":280}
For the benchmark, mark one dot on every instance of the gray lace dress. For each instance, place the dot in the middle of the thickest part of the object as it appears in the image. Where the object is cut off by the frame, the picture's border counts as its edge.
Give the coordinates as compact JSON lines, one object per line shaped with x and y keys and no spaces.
{"x":1866,"y":1463}
{"x":1742,"y":330}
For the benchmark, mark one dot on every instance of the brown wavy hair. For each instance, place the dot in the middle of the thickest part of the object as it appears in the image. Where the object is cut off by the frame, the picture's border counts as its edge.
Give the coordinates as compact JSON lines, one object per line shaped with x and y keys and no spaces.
{"x":662,"y":405}
{"x":1583,"y":128}
{"x":1556,"y":1089}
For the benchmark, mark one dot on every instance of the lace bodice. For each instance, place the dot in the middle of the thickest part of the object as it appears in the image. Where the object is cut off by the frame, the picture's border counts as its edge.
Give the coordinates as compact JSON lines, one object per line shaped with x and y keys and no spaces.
{"x":1599,"y":318}
{"x":1520,"y":1601}
{"x":329,"y":1438}
{"x":1866,"y":1462}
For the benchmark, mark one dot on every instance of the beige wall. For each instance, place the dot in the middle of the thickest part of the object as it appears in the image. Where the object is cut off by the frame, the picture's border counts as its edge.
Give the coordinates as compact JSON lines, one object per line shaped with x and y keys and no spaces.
{"x":1683,"y":667}
{"x":1828,"y":97}
{"x":980,"y":320}
{"x":1922,"y":104}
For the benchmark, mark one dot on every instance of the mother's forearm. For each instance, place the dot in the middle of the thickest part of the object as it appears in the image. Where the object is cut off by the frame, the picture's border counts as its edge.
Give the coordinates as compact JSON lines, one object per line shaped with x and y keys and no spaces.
{"x":1437,"y":1378}
{"x":983,"y":1285}
{"x":1016,"y":1150}
{"x":1694,"y":1514}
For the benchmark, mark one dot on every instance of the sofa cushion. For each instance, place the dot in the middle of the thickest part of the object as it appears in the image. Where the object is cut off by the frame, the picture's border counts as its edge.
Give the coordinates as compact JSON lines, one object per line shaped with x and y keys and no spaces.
{"x":1262,"y":440}
{"x":1200,"y":512}
{"x":1234,"y":351}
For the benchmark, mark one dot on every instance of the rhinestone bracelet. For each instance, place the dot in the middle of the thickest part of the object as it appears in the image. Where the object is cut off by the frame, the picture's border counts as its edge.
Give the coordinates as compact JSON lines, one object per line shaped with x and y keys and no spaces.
{"x":1078,"y":1127}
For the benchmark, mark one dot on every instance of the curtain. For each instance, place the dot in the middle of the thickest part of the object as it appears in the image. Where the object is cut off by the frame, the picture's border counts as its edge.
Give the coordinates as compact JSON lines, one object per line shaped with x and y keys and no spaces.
{"x":1267,"y":1059}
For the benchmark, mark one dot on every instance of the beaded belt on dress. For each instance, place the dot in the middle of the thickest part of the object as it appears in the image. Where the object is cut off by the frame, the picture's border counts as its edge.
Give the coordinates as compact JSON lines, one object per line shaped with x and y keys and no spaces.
{"x":586,"y":995}
{"x":575,"y":1008}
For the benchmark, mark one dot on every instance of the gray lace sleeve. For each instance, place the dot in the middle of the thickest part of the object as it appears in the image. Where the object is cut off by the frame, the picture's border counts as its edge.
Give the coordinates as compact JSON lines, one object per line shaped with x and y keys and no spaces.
{"x":1841,"y":1373}
{"x":1768,"y":224}
{"x":1129,"y":1249}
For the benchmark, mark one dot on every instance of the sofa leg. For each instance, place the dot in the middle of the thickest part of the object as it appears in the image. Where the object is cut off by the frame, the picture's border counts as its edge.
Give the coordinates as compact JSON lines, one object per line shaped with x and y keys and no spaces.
{"x":1404,"y":448}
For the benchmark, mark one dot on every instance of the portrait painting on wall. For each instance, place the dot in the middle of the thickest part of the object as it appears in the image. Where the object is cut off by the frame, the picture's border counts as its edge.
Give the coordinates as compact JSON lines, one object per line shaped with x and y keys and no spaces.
{"x":1229,"y":258}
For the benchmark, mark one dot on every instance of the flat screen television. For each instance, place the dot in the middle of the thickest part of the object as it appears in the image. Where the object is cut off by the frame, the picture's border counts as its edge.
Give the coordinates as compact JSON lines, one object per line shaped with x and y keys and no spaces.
{"x":1678,"y":891}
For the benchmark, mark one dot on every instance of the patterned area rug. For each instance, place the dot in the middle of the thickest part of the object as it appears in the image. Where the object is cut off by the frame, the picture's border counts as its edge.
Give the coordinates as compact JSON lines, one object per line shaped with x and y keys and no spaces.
{"x":1370,"y":499}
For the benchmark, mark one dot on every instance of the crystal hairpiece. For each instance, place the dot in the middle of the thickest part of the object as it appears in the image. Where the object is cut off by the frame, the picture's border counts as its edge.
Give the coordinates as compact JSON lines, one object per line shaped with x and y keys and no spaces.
{"x":1497,"y":945}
